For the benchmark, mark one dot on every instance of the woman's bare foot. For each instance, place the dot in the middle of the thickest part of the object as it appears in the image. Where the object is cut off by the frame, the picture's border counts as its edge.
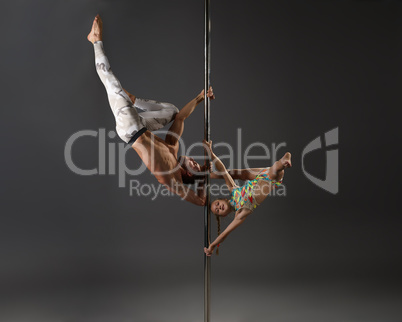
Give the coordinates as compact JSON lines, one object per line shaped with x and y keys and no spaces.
{"x":286,"y":162}
{"x":96,"y":31}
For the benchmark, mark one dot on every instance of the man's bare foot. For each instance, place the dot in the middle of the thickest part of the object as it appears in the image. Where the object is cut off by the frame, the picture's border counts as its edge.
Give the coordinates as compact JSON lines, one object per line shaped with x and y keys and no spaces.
{"x":286,"y":162}
{"x":96,"y":31}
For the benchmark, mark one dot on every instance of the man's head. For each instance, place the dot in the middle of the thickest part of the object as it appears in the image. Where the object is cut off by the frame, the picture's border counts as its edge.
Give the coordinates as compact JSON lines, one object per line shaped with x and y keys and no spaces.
{"x":190,"y":169}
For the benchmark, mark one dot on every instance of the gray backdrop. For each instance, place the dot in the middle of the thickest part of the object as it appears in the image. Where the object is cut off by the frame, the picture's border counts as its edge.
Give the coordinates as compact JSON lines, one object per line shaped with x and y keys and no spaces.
{"x":79,"y":248}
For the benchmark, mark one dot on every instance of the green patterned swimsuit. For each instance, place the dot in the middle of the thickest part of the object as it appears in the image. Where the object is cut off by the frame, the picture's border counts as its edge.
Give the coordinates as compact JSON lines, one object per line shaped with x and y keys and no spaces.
{"x":243,"y":197}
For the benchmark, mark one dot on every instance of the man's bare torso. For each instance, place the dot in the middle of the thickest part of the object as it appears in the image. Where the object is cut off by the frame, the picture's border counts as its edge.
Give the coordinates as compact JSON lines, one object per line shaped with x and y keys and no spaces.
{"x":159,"y":157}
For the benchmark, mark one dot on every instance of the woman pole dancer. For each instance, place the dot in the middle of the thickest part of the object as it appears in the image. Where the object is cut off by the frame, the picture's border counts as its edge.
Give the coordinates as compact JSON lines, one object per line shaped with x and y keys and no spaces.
{"x":243,"y":200}
{"x":134,"y":128}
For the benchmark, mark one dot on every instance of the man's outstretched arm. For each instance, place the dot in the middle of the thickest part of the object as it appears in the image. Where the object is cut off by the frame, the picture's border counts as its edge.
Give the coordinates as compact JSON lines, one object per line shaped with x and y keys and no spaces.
{"x":177,"y":128}
{"x":189,"y":194}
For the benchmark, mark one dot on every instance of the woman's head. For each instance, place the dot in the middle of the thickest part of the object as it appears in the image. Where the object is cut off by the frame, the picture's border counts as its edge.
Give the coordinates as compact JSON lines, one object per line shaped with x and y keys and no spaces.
{"x":221,"y":207}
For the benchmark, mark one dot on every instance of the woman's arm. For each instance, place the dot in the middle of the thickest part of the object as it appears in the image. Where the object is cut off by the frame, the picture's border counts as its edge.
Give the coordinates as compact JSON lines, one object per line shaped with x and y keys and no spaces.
{"x":219,"y":166}
{"x":240,"y":216}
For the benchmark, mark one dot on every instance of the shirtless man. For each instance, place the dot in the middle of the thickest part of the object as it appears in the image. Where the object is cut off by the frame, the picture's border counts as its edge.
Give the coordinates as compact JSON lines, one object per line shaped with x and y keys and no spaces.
{"x":134,"y":128}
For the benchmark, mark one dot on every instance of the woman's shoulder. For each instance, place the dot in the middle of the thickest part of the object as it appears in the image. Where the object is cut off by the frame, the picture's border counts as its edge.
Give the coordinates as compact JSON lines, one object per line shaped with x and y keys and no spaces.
{"x":243,"y":212}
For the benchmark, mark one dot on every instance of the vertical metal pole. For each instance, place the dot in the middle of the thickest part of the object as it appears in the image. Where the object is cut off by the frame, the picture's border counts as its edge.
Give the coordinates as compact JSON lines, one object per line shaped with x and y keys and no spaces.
{"x":207,"y":214}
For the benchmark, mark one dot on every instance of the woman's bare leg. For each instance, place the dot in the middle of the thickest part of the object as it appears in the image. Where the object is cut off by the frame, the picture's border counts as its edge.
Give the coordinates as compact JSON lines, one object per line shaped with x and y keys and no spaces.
{"x":277,"y":170}
{"x":276,"y":173}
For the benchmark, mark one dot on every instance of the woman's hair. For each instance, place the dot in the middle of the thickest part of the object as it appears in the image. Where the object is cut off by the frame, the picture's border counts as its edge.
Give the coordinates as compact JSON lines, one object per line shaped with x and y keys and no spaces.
{"x":218,"y":220}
